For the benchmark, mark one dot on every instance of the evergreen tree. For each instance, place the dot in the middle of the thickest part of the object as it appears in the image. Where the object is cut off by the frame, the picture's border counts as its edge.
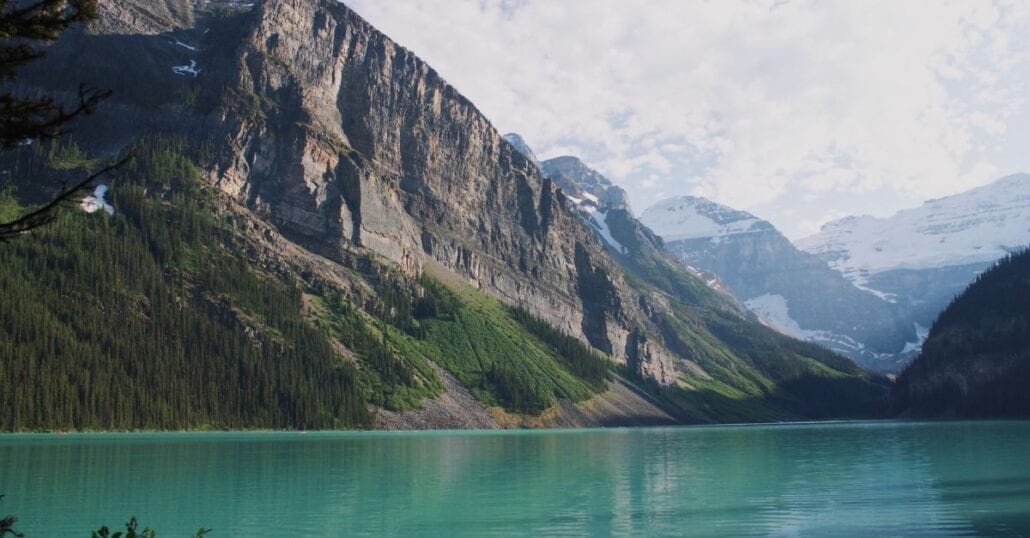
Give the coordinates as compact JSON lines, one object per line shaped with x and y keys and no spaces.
{"x":24,"y":26}
{"x":976,"y":358}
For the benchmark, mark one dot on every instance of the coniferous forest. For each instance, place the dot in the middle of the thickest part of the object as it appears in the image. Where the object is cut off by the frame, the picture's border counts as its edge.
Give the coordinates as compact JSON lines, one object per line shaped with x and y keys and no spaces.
{"x":976,"y":358}
{"x":144,"y":319}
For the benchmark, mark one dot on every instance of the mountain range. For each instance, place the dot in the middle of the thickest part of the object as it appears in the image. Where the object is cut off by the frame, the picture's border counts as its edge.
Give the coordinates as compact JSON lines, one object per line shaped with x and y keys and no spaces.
{"x":920,"y":258}
{"x":791,"y":290}
{"x":318,"y":231}
{"x":865,"y":287}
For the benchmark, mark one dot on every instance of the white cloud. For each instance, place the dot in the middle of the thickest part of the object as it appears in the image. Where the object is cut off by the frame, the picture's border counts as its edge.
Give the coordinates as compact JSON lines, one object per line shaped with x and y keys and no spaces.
{"x":771,"y":105}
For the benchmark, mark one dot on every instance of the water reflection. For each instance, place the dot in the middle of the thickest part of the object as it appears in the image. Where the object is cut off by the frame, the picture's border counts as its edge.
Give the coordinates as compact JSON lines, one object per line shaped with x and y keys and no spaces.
{"x":872,"y":478}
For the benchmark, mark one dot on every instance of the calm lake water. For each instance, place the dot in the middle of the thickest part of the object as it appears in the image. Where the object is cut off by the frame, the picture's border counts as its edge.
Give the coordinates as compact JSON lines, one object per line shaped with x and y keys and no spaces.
{"x":882,"y":478}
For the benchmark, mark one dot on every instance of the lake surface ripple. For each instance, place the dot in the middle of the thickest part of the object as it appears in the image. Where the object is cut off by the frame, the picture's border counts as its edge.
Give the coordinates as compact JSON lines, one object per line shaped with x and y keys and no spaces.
{"x":870,"y":478}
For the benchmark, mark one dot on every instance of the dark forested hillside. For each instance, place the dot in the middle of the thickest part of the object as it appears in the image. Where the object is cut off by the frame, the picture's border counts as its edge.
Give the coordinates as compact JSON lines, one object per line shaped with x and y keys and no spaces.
{"x":149,"y":318}
{"x":976,"y":360}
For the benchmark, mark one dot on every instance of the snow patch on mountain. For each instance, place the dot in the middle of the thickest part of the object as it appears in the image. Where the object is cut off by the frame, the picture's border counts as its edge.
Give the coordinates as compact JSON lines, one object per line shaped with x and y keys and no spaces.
{"x":917,"y":345}
{"x":184,"y":70}
{"x":977,"y":226}
{"x":691,"y":217}
{"x":598,"y":221}
{"x":774,"y":311}
{"x":184,"y":45}
{"x":860,"y":281}
{"x":96,"y":202}
{"x":709,"y":278}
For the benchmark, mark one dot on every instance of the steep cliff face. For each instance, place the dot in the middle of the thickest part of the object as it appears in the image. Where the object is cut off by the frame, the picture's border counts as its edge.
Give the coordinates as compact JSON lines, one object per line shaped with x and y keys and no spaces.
{"x":146,"y":17}
{"x":358,"y":144}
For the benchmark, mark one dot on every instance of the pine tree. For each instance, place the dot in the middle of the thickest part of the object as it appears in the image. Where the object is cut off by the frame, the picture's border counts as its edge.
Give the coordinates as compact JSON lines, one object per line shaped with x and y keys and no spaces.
{"x":24,"y":26}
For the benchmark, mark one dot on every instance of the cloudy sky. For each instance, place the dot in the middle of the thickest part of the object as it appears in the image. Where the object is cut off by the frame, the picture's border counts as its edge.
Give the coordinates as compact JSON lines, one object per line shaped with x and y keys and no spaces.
{"x":801,"y":112}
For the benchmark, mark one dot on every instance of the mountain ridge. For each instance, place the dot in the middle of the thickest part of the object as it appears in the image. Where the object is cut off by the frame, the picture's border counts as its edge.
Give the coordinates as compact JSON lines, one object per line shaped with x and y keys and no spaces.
{"x":921,"y":258}
{"x":976,"y":226}
{"x":792,"y":291}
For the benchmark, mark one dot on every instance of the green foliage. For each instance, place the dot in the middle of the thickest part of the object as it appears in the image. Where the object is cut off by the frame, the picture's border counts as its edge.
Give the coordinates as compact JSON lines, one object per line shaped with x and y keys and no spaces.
{"x":132,"y":531}
{"x":9,"y":206}
{"x":478,"y":340}
{"x":574,"y":355}
{"x":393,"y":376}
{"x":7,"y":526}
{"x":505,"y":355}
{"x":67,"y":156}
{"x":150,"y":319}
{"x":164,"y":162}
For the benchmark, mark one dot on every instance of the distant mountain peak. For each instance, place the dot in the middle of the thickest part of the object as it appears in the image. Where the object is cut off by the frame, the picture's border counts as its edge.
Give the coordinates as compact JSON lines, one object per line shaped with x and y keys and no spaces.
{"x":521,"y":146}
{"x":792,"y":291}
{"x":584,"y":184}
{"x":976,"y":226}
{"x":694,"y":217}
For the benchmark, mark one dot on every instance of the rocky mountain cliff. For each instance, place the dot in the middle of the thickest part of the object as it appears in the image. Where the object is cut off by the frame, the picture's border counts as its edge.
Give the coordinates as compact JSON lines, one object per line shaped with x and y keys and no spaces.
{"x":791,"y":290}
{"x":583,"y":184}
{"x":976,"y":360}
{"x":640,"y":252}
{"x":429,"y":251}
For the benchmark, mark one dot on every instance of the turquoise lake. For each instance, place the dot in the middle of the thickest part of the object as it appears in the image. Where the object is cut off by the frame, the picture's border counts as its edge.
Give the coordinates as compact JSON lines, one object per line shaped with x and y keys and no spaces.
{"x":868,"y":478}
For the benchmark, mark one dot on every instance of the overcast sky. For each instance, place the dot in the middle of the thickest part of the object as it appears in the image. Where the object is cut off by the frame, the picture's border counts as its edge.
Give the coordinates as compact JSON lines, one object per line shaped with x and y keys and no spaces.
{"x":800,"y":112}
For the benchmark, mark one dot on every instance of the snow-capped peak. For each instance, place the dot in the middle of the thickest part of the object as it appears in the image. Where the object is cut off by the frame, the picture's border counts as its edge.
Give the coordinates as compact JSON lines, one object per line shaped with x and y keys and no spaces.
{"x":693,"y":217}
{"x":979,"y":225}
